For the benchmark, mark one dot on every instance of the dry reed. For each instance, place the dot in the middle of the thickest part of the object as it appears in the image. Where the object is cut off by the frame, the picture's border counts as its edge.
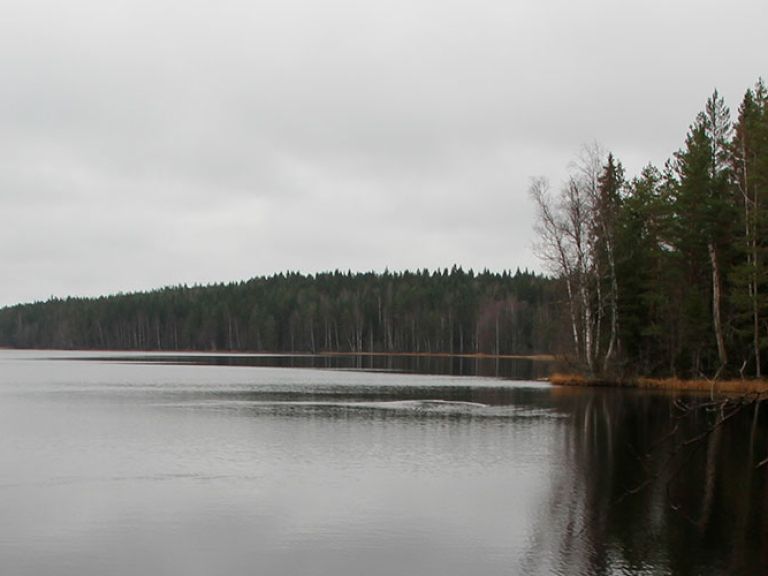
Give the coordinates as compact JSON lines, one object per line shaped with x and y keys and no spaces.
{"x":679,"y":384}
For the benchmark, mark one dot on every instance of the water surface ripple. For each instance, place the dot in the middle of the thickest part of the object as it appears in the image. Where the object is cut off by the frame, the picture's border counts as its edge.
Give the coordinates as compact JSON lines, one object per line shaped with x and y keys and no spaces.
{"x":130,"y":464}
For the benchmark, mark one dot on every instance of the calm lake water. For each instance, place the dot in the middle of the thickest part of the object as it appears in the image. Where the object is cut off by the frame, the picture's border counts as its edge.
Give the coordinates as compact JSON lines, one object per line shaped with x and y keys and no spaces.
{"x":159,"y":464}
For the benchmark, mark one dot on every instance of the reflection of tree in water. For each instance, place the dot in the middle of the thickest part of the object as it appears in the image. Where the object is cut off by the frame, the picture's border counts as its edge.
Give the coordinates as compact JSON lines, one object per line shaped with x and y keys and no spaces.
{"x":643,"y":486}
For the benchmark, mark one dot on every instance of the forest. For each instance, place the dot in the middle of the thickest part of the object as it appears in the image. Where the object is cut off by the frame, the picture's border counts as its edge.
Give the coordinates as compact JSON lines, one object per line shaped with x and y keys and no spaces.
{"x":665,"y":273}
{"x":444,"y":311}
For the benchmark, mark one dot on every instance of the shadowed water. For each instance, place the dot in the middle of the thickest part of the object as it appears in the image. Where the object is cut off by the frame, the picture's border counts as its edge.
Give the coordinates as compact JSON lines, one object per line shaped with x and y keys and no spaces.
{"x":138,"y":465}
{"x":507,"y":367}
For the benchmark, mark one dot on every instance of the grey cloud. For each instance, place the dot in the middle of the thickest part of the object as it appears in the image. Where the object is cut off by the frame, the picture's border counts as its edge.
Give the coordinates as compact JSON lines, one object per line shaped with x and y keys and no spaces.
{"x":155,"y":142}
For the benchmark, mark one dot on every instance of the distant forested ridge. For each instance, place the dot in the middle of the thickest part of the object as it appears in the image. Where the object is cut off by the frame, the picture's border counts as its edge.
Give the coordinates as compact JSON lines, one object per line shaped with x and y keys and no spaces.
{"x":452,"y":311}
{"x":667,"y":272}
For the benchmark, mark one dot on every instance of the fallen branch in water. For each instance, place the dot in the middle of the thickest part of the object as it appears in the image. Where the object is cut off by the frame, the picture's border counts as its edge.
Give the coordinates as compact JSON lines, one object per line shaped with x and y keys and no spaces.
{"x":681,"y":451}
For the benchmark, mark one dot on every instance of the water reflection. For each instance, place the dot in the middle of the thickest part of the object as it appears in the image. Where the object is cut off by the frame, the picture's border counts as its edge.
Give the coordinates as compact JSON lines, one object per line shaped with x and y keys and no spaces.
{"x":644,"y":488}
{"x":156,"y":467}
{"x":509,"y":368}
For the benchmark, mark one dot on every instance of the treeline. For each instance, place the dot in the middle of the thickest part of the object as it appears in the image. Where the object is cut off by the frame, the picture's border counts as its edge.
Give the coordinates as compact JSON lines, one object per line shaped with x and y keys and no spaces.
{"x":667,"y":272}
{"x":452,"y":311}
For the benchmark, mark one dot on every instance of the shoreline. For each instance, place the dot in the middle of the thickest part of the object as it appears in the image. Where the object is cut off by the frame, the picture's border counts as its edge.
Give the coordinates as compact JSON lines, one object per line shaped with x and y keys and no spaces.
{"x":730,"y":386}
{"x":472,"y":355}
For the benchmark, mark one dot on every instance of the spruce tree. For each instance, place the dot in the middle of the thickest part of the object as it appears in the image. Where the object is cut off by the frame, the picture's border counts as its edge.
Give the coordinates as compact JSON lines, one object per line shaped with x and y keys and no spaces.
{"x":749,"y":162}
{"x":704,"y":215}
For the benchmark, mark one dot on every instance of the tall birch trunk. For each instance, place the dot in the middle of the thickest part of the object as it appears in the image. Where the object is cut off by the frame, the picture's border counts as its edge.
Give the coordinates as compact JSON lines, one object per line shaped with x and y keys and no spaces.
{"x":716,"y":297}
{"x":613,"y":341}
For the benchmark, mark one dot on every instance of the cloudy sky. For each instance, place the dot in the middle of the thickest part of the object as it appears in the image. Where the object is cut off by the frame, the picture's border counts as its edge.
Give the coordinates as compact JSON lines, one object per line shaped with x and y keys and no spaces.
{"x":154,"y":142}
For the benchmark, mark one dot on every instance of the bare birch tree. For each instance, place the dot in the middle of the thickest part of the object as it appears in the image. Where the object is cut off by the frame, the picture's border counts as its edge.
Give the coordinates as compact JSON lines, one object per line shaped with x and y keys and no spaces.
{"x":577,"y":241}
{"x":564,"y":226}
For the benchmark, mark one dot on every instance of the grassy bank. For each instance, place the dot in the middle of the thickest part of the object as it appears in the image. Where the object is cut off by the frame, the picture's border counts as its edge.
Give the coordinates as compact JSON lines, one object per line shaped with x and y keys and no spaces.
{"x":679,"y":384}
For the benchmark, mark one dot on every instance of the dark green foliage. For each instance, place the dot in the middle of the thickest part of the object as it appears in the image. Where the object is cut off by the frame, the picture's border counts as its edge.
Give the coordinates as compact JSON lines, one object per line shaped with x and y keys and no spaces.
{"x":644,"y":270}
{"x":442,"y":311}
{"x":673,"y":277}
{"x":749,"y":277}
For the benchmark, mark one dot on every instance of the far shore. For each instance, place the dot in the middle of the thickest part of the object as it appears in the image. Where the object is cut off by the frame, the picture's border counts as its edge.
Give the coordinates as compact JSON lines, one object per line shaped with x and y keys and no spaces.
{"x":476,"y":355}
{"x":473,"y":355}
{"x":558,"y":379}
{"x":731,"y":386}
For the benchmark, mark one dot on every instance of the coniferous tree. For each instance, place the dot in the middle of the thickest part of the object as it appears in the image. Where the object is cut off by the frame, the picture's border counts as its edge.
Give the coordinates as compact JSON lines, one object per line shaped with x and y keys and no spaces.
{"x":439,"y":311}
{"x":704,"y":215}
{"x":673,"y":274}
{"x":749,"y":161}
{"x":607,"y":209}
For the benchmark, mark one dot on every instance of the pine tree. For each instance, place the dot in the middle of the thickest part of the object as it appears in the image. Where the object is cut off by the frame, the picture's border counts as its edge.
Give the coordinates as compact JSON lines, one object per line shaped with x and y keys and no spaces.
{"x":704,"y":213}
{"x":607,"y":207}
{"x":749,"y":162}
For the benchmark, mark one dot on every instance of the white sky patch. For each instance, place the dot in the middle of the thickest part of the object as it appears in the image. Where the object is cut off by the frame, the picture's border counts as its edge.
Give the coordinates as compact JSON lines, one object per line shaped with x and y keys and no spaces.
{"x":147,"y":143}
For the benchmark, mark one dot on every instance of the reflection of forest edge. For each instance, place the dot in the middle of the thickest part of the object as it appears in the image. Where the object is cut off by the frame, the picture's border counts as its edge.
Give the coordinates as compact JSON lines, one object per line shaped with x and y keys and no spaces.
{"x":506,"y":367}
{"x":657,"y":483}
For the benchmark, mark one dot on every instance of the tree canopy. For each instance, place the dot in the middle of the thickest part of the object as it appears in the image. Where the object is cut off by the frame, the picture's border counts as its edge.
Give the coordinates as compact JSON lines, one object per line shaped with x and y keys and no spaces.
{"x":665,"y":273}
{"x":453,"y":311}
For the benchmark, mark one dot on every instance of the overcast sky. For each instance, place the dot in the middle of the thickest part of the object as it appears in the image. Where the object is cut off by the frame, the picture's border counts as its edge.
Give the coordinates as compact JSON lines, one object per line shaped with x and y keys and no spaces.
{"x":153,"y":142}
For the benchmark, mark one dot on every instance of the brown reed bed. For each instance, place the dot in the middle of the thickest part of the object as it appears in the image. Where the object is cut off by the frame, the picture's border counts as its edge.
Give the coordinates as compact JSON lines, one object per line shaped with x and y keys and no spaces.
{"x":746,"y":386}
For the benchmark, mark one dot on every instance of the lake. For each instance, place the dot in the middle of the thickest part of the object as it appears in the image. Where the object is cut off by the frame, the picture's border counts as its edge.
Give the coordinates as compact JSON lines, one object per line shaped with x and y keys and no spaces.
{"x":154,"y":464}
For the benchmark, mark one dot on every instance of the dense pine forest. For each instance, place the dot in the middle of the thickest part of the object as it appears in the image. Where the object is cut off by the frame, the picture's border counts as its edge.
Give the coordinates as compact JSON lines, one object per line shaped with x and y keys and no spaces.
{"x":446,"y":311}
{"x":667,"y":272}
